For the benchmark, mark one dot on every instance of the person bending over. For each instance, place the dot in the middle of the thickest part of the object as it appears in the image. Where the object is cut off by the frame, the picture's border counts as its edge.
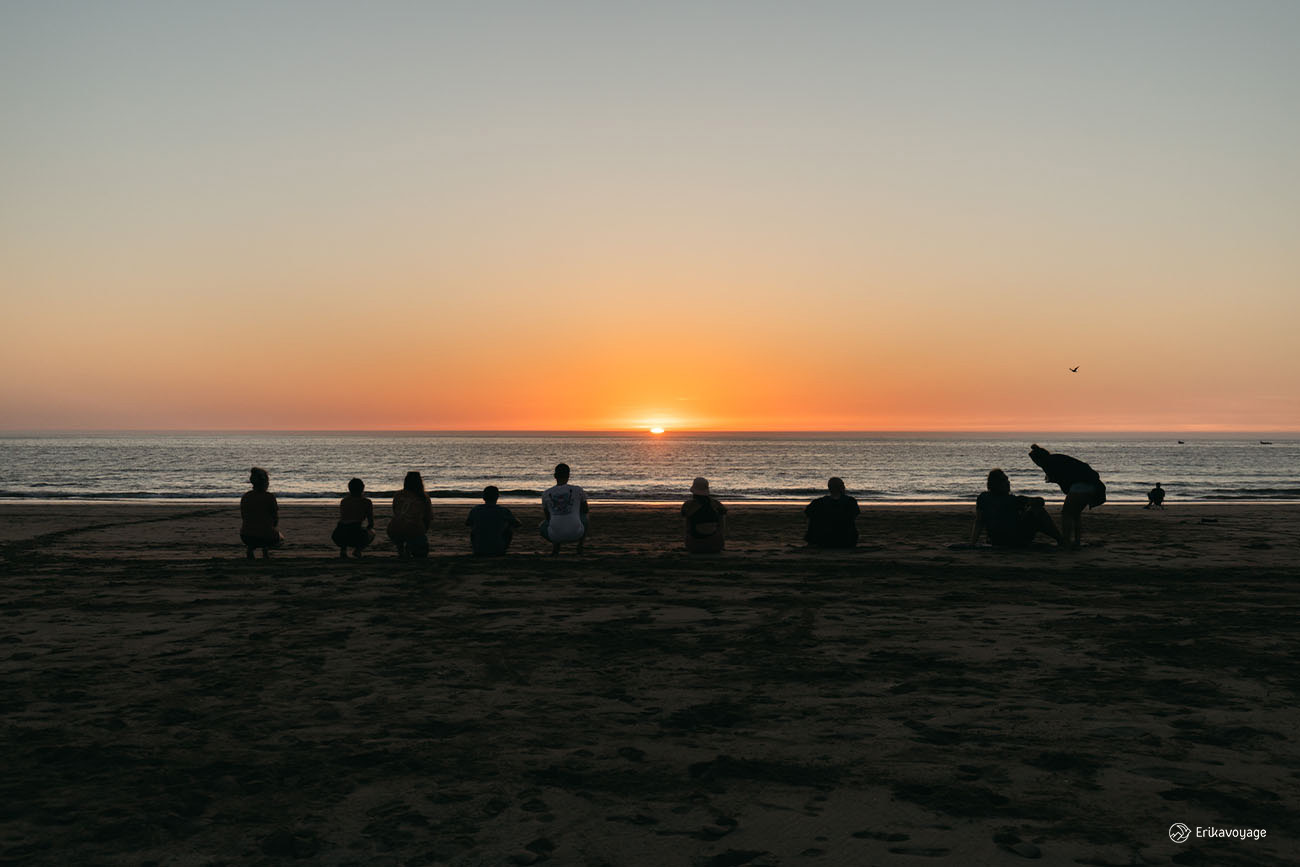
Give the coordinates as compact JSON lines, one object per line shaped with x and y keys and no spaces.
{"x":412,"y":515}
{"x":832,"y":519}
{"x":1010,"y":521}
{"x":705,"y":519}
{"x":491,"y":527}
{"x":259,"y":515}
{"x":356,"y":527}
{"x":566,"y":514}
{"x":1079,"y":482}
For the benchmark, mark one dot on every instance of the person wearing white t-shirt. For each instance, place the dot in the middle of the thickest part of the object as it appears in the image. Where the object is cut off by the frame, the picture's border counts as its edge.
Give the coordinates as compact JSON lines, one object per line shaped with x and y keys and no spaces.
{"x":565,"y":506}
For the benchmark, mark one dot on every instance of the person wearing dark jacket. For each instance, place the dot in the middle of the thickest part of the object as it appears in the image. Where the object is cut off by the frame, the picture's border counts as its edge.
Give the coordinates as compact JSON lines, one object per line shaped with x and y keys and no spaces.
{"x":1079,"y":482}
{"x":832,"y":519}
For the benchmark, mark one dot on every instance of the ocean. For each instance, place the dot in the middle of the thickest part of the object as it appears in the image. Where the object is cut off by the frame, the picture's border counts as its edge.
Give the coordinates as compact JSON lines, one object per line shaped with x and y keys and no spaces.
{"x":630,"y":468}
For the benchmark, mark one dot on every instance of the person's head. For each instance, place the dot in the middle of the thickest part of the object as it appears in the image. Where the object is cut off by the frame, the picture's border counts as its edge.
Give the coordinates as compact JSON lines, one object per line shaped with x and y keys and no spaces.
{"x":998,"y":482}
{"x":700,"y":487}
{"x":1157,"y":484}
{"x":1038,"y":454}
{"x":836,"y":487}
{"x":413,"y":483}
{"x":355,"y":487}
{"x":561,"y":474}
{"x":259,"y":479}
{"x":490,"y":494}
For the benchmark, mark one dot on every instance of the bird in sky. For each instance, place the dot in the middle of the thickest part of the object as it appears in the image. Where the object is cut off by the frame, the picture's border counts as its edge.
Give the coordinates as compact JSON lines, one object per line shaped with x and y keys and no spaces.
{"x":1074,"y":370}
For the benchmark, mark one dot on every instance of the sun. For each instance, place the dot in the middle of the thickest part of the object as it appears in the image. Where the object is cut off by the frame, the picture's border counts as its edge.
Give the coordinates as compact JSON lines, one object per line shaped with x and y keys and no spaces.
{"x":656,"y":430}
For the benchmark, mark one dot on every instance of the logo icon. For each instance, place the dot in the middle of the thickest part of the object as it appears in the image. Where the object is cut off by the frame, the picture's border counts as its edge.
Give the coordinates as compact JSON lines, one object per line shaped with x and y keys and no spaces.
{"x":1178,"y":832}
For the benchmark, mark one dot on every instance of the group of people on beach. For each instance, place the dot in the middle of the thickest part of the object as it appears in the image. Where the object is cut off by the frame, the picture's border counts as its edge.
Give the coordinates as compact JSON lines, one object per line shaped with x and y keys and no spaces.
{"x":1006,"y":519}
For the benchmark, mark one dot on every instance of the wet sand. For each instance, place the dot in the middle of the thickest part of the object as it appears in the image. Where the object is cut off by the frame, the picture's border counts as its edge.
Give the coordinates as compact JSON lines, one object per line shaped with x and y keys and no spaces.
{"x":165,"y":701}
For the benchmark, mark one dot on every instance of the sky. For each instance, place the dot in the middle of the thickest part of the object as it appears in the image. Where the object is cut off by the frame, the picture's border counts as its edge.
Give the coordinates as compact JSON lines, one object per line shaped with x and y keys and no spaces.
{"x":606,"y":216}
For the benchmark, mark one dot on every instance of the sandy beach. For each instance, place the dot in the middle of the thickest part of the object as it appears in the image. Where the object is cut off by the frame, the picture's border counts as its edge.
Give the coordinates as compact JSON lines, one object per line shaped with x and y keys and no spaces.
{"x":164,"y":701}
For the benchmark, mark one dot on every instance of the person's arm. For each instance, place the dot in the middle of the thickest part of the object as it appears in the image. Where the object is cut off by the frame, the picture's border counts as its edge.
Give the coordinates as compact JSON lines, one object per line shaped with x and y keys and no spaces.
{"x":582,"y":508}
{"x":546,"y":511}
{"x":275,"y":511}
{"x":370,"y":515}
{"x":428,"y":513}
{"x":977,"y":529}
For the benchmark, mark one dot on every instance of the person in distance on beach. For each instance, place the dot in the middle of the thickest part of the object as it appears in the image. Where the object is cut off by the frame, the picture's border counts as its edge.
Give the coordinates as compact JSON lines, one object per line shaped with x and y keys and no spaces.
{"x":832,"y":519}
{"x":259,"y":515}
{"x":356,"y":527}
{"x":1009,"y":520}
{"x":565,"y":507}
{"x":412,"y":514}
{"x":1155,"y":498}
{"x":491,"y":527}
{"x":1079,"y":482}
{"x":705,"y":519}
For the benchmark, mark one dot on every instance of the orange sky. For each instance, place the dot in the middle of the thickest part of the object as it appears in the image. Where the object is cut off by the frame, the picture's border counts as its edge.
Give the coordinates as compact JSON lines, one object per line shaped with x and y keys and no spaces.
{"x":751,"y":222}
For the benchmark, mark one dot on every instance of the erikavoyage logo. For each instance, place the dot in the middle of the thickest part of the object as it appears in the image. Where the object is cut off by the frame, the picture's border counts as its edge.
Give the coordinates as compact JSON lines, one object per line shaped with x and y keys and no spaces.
{"x":1180,"y":833}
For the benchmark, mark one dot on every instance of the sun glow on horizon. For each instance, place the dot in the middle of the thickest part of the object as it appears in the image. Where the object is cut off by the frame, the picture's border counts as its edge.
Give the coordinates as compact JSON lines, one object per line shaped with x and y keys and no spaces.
{"x":656,"y":430}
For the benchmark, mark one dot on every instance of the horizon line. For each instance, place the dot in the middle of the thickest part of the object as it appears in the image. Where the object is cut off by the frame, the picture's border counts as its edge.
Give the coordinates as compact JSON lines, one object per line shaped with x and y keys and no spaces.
{"x":669,"y":432}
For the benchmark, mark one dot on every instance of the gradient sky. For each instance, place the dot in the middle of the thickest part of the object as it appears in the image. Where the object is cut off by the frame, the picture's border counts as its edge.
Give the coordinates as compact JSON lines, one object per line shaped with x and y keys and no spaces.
{"x":747,"y":215}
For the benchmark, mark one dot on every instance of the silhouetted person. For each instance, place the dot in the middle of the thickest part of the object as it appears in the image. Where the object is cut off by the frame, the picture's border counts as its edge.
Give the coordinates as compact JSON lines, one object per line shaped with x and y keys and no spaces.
{"x":566,"y":511}
{"x":1155,"y":498}
{"x":705,"y":519}
{"x":356,"y":527}
{"x":832,"y":519}
{"x":1080,"y":483}
{"x":412,"y":514}
{"x":259,"y":515}
{"x":491,"y":527}
{"x":1010,"y":520}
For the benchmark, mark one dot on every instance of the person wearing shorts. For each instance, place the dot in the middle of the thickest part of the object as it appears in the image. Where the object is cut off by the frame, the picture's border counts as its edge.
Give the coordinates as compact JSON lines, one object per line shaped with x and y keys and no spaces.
{"x":1082,"y":486}
{"x":566,"y":513}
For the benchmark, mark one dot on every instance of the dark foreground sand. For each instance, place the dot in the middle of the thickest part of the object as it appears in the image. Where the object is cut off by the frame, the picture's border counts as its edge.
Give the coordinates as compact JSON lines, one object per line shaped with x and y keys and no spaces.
{"x":164,"y":701}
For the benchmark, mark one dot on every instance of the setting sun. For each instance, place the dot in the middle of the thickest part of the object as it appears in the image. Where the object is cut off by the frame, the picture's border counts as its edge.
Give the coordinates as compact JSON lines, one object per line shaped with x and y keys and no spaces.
{"x":656,"y":430}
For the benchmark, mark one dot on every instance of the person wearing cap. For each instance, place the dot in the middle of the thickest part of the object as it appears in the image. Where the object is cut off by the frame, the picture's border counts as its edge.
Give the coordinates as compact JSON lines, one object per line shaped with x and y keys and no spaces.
{"x":1080,"y":483}
{"x":705,"y":520}
{"x":491,"y":527}
{"x":832,"y":519}
{"x":566,"y":513}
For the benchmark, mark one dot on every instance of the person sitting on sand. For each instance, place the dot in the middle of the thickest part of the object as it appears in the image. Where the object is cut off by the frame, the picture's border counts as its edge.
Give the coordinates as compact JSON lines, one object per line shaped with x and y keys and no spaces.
{"x":260,"y":515}
{"x":356,"y":527}
{"x":705,"y":519}
{"x":1155,"y":498}
{"x":1079,"y":482}
{"x":412,"y":515}
{"x":491,"y":527}
{"x":1011,"y":521}
{"x":832,"y":519}
{"x":565,"y":506}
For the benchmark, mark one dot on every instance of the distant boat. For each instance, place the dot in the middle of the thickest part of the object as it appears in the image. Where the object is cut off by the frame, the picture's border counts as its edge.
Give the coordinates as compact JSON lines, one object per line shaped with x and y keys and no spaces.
{"x":1180,"y":442}
{"x":1266,"y":442}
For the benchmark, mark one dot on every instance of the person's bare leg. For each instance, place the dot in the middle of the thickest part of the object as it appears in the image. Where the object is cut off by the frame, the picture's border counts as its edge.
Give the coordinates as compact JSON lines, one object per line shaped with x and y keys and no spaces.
{"x":1071,"y":513}
{"x":266,"y":553}
{"x":555,"y":548}
{"x":252,"y":554}
{"x":343,"y":553}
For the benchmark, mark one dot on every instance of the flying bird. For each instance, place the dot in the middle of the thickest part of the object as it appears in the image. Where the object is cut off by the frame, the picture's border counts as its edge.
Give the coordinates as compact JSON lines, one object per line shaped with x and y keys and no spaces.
{"x":1074,"y":370}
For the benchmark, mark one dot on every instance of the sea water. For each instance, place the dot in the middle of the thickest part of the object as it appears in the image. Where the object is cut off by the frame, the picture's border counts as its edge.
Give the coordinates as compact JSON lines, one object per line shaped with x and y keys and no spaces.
{"x":637,"y":468}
